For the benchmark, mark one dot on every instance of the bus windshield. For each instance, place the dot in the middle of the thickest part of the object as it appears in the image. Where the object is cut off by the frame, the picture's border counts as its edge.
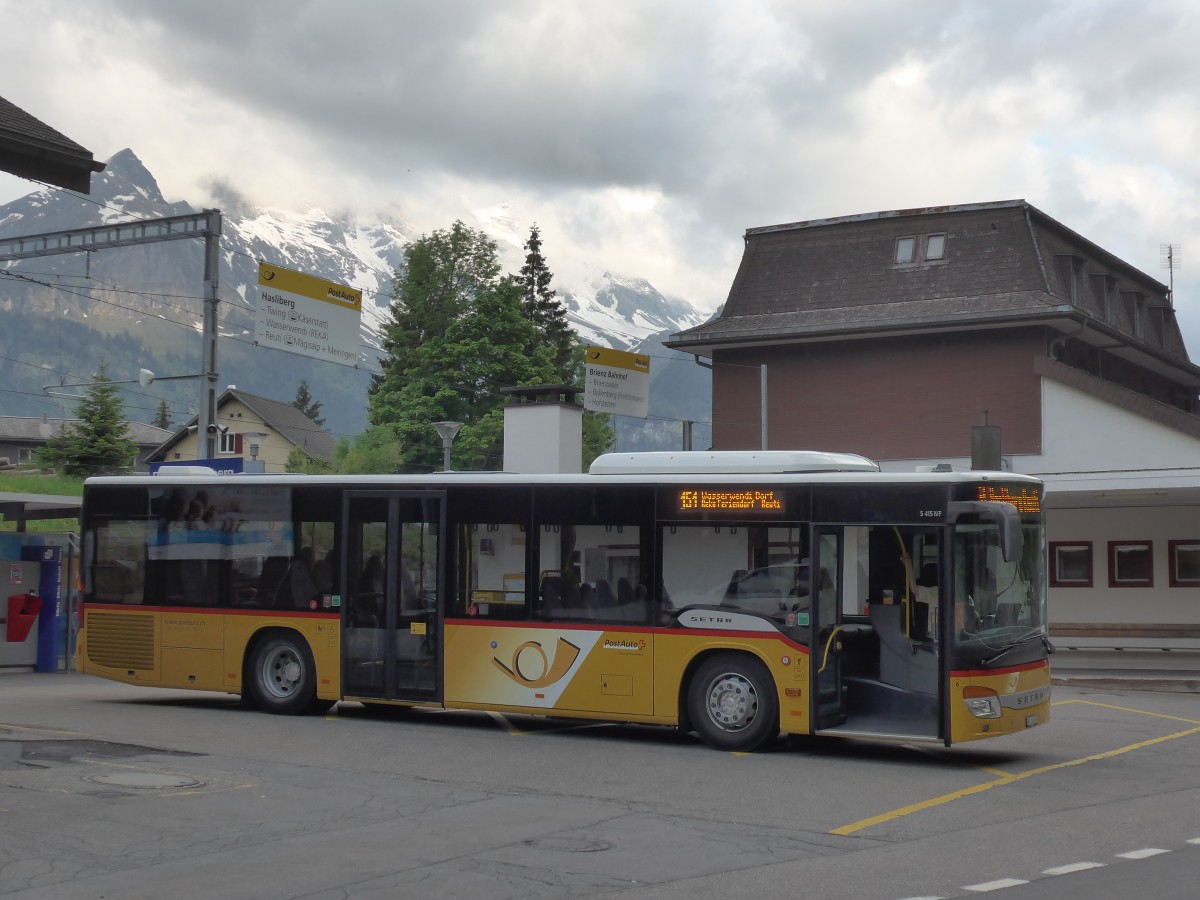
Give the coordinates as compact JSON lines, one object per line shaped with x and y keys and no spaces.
{"x":999,"y":605}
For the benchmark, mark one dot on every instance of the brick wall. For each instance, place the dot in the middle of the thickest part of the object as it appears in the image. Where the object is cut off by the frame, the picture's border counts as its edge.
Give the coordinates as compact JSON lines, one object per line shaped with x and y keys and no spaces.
{"x":894,"y":398}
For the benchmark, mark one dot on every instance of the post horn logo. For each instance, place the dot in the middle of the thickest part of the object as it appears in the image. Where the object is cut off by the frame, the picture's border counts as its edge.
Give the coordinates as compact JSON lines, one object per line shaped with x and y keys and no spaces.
{"x":525,"y":671}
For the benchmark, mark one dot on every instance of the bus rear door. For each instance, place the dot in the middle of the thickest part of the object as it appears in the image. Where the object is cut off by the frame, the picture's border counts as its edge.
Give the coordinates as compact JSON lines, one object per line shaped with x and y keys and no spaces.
{"x":394,"y":581}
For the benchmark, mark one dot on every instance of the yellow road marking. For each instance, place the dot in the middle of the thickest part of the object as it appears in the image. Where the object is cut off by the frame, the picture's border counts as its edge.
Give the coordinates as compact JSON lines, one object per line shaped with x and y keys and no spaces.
{"x":1140,"y":712}
{"x":506,"y":725}
{"x":1004,"y":779}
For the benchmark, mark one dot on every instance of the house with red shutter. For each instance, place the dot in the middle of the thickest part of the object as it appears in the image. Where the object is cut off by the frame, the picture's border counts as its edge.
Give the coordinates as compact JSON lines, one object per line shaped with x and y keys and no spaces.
{"x":258,"y":432}
{"x":894,"y":334}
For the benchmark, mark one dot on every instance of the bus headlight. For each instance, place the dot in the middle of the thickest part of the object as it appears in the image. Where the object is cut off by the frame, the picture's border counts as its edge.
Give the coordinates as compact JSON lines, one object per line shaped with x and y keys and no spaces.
{"x":983,"y":703}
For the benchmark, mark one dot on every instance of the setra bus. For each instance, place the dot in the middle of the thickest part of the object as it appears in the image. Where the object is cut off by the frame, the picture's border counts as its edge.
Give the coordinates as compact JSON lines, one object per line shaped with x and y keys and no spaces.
{"x":734,"y":594}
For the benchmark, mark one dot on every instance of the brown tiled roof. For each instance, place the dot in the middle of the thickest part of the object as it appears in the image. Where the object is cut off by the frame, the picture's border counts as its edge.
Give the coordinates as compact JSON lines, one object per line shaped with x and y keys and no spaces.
{"x":292,"y":424}
{"x":285,"y":419}
{"x":39,"y":429}
{"x":1004,"y":262}
{"x":32,"y":149}
{"x":972,"y":311}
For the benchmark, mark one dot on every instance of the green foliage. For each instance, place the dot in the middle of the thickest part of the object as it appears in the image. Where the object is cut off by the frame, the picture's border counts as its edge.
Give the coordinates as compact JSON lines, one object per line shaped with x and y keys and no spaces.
{"x":542,"y":307}
{"x":63,"y":485}
{"x":162,"y":418}
{"x":598,"y":436}
{"x":98,"y":444}
{"x":300,"y":463}
{"x":305,"y":403}
{"x":458,"y":334}
{"x":374,"y":452}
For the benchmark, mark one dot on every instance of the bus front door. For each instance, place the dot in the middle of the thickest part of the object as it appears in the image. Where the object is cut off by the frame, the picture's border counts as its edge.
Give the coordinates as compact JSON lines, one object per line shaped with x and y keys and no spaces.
{"x":394,"y":581}
{"x":875,"y":658}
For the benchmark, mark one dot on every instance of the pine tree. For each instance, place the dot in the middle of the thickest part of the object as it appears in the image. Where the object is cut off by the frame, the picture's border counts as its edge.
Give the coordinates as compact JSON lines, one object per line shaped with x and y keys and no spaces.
{"x":305,"y":403}
{"x":542,"y":306}
{"x":99,"y":443}
{"x":162,"y":418}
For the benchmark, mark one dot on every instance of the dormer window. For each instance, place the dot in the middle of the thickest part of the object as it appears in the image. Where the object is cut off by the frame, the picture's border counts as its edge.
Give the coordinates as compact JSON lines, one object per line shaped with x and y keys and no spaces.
{"x":1070,"y":270}
{"x":913,"y":248}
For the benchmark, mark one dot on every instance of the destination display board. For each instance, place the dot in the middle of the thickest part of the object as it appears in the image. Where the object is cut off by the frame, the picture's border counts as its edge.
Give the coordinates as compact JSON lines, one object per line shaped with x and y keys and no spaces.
{"x":303,"y":314}
{"x":724,"y":502}
{"x":617,"y":382}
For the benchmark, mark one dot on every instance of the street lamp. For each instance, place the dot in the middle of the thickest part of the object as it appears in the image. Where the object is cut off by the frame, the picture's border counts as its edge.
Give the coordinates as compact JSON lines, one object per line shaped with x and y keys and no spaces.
{"x":446,"y":431}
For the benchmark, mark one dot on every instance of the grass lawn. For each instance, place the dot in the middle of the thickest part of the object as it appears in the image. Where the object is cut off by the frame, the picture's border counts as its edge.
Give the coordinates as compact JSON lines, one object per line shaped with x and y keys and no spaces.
{"x":62,"y":485}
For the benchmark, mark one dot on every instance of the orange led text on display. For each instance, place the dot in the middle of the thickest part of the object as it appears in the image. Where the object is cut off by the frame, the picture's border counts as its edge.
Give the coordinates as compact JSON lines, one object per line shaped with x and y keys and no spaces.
{"x":1025,"y":500}
{"x":745,"y":501}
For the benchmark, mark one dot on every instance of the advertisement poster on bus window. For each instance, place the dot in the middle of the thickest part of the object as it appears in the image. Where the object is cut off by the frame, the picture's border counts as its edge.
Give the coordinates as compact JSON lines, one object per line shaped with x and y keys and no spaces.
{"x":219,"y":522}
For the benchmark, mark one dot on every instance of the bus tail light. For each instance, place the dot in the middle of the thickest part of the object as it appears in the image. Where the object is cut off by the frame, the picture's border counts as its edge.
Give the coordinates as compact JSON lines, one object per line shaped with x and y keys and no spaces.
{"x":983,"y":703}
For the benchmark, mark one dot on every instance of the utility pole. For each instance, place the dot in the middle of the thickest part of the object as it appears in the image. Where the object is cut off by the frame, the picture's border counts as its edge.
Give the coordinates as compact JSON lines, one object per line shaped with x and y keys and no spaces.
{"x":150,"y":231}
{"x":207,"y":420}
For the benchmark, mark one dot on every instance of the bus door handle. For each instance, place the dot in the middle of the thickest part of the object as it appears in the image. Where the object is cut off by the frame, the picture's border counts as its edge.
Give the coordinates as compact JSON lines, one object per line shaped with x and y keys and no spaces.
{"x":829,"y":643}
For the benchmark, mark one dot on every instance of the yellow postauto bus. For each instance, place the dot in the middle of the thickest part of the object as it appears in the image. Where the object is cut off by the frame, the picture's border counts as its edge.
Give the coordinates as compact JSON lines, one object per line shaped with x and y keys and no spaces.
{"x":734,"y":594}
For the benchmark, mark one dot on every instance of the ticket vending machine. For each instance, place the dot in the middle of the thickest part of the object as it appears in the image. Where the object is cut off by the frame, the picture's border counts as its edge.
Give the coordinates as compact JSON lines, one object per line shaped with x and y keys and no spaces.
{"x":21,"y":609}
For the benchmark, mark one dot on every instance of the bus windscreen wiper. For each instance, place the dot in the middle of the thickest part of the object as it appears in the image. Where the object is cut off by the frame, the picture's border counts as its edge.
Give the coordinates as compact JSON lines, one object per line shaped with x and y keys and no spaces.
{"x":1017,"y":643}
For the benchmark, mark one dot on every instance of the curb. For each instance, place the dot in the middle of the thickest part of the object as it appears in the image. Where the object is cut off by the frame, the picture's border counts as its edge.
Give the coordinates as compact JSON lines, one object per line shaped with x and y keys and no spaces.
{"x":1163,"y":685}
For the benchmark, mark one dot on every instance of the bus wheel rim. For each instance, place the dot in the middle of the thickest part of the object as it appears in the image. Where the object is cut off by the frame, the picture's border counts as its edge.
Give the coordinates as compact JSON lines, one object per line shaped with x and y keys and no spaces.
{"x":732,"y":702}
{"x":282,"y":672}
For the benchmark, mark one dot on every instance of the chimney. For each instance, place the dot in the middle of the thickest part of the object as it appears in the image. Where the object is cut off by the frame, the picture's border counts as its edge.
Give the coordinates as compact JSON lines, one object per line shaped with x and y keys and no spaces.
{"x":985,"y":446}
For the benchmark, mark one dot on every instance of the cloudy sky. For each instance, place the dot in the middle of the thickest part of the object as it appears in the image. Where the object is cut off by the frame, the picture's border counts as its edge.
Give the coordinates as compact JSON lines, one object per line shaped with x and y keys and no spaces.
{"x":643,"y":137}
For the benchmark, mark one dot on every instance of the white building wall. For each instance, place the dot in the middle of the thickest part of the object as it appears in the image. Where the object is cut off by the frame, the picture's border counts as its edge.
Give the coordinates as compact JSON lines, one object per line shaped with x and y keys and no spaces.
{"x":543,"y":438}
{"x":1160,"y":604}
{"x":1081,"y":433}
{"x":1096,"y":456}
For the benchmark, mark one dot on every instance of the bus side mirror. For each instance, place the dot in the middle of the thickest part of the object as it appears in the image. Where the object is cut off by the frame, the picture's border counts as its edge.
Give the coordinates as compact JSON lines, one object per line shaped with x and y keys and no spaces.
{"x":1012,"y":538}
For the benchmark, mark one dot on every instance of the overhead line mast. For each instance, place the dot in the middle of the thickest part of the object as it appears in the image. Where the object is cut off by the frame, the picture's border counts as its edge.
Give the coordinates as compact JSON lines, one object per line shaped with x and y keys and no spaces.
{"x":150,"y":231}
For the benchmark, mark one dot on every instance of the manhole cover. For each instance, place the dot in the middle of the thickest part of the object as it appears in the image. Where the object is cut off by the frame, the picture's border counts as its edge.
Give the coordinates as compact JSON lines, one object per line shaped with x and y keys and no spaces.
{"x":146,"y":781}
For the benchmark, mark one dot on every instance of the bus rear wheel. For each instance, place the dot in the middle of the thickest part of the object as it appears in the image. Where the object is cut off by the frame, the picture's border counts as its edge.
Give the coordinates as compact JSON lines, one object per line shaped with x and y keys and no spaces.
{"x":283,"y":676}
{"x":732,"y":703}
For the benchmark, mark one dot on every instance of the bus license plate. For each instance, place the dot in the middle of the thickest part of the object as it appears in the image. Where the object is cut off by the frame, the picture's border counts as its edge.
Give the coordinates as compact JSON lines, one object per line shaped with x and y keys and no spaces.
{"x":1030,"y":721}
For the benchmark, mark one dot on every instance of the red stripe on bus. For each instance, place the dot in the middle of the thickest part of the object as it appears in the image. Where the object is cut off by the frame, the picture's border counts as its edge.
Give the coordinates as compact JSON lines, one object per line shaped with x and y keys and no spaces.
{"x":582,"y":626}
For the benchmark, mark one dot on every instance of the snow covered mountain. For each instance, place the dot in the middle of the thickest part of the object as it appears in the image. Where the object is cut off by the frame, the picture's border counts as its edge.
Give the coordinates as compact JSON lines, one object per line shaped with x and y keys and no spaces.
{"x":109,"y":290}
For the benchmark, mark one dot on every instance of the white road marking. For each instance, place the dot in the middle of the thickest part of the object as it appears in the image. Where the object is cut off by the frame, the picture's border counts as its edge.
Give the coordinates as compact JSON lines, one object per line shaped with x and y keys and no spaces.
{"x":1144,"y":853}
{"x":997,"y":885}
{"x":1073,"y":867}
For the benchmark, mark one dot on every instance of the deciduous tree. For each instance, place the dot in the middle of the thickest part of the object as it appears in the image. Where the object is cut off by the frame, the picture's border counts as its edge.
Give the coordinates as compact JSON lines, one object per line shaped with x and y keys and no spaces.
{"x":457,"y":336}
{"x":460,"y":332}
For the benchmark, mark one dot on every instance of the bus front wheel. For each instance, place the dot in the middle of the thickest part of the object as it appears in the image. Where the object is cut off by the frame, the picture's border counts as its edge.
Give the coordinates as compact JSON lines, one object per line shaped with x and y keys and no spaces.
{"x":732,"y":703}
{"x":283,"y":676}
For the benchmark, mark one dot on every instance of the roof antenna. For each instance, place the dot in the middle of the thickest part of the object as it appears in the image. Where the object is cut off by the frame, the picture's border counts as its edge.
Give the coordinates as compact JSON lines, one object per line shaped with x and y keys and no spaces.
{"x":1170,"y":257}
